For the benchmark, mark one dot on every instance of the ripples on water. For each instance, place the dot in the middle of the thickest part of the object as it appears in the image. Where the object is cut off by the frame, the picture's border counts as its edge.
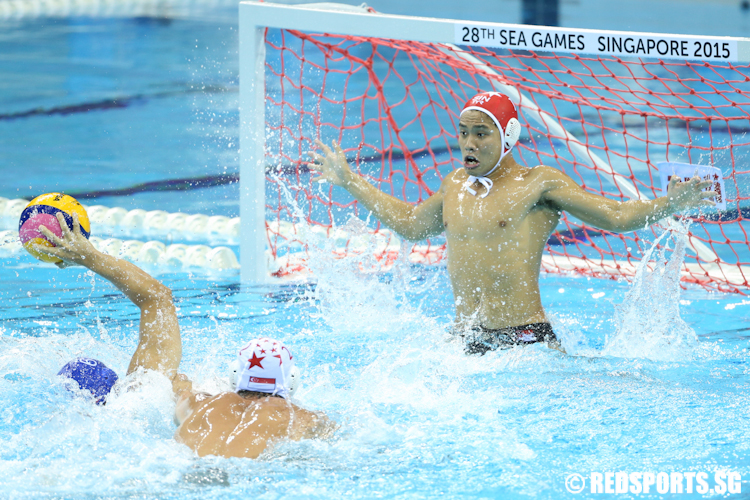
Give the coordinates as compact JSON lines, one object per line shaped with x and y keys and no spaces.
{"x":418,"y":417}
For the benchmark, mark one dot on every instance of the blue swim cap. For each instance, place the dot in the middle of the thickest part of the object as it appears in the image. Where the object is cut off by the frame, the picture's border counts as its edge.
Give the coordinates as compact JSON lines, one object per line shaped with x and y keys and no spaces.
{"x":92,"y":375}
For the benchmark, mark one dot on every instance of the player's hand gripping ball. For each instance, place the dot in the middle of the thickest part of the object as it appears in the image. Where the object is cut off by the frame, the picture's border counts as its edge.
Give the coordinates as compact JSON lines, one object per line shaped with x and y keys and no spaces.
{"x":42,"y":211}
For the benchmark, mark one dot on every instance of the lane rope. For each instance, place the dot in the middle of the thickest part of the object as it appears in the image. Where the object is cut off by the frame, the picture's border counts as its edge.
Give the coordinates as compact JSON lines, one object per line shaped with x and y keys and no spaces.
{"x":382,"y":244}
{"x":145,"y":252}
{"x":29,"y":9}
{"x":158,"y":220}
{"x":156,"y":253}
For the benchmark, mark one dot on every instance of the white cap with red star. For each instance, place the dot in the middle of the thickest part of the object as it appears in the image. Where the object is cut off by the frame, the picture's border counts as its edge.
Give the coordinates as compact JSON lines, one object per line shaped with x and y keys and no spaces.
{"x":266,"y":365}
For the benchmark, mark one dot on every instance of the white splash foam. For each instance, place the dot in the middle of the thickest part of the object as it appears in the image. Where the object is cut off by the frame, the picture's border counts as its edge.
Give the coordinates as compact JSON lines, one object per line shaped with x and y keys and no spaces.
{"x":648,"y":321}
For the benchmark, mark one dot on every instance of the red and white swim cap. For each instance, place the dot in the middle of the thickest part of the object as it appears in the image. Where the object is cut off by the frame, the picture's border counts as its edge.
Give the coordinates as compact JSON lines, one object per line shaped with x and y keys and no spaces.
{"x":503,"y":113}
{"x":266,"y":365}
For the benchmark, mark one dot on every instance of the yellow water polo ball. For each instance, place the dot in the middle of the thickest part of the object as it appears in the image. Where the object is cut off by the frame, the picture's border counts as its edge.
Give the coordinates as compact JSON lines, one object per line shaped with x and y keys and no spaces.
{"x":42,"y":211}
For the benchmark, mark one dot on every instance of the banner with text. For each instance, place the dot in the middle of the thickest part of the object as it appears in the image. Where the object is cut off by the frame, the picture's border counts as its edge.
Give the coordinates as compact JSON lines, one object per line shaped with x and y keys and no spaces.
{"x":616,"y":43}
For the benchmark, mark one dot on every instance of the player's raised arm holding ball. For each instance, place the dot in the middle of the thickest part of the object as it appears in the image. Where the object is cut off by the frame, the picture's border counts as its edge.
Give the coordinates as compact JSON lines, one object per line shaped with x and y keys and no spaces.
{"x":238,"y":423}
{"x":497,"y":216}
{"x":159,"y":344}
{"x":54,"y":228}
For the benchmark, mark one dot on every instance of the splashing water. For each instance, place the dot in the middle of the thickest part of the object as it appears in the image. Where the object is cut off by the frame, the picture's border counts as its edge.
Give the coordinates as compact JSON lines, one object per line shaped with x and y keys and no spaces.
{"x":9,"y":244}
{"x":648,"y":321}
{"x":349,"y":290}
{"x":412,"y":408}
{"x":366,"y":316}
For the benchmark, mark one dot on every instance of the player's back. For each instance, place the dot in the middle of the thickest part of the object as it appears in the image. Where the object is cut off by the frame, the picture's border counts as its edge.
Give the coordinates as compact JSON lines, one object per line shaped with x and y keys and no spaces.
{"x":230,"y":425}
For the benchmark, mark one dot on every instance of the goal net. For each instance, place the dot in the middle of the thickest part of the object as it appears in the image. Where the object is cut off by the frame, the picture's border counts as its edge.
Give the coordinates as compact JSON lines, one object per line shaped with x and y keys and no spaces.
{"x":605,"y":120}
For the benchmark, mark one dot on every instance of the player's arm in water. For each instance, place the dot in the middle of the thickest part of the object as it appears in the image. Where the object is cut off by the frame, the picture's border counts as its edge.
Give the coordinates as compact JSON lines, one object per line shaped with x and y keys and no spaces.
{"x":413,"y":222}
{"x":611,"y":215}
{"x":159,"y":344}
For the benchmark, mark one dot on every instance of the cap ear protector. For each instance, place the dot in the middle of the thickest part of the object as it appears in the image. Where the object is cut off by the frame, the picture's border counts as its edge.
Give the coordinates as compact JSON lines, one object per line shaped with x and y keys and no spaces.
{"x":294,"y":381}
{"x":512,"y":133}
{"x":233,"y":378}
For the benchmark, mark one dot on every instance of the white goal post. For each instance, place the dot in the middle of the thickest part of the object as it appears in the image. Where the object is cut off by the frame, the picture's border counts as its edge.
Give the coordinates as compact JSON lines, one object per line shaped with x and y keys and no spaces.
{"x":358,"y":21}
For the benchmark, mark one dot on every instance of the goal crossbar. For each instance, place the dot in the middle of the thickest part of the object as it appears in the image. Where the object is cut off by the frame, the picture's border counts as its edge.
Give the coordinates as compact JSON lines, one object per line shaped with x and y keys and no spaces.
{"x":360,"y":21}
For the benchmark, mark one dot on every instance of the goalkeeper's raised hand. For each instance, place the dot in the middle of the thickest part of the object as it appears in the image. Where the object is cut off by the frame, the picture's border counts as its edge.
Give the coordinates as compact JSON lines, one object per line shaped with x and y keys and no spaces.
{"x":332,"y":166}
{"x":684,"y":195}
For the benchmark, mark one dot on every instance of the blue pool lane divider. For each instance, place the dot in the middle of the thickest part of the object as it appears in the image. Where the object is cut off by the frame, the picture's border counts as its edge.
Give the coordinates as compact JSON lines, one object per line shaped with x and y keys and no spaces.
{"x":148,"y":252}
{"x":382,"y":243}
{"x":30,"y":9}
{"x":291,"y":256}
{"x":155,"y":220}
{"x":161,"y":220}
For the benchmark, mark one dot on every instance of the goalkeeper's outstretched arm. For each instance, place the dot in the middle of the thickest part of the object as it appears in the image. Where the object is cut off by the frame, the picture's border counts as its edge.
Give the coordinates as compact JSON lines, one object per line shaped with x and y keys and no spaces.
{"x":562,"y":192}
{"x":409,"y":221}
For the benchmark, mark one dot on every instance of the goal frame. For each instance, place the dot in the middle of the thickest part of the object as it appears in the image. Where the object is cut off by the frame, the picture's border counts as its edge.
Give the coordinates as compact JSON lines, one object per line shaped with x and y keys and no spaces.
{"x":341,"y":19}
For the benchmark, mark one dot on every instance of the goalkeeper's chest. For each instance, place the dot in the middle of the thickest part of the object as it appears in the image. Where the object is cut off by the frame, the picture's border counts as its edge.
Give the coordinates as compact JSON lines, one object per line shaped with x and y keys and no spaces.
{"x":502,"y":210}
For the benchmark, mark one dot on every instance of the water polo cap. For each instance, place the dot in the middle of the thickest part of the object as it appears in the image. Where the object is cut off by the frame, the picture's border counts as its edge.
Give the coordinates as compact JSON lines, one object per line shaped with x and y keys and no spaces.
{"x":266,"y":365}
{"x":92,"y":376}
{"x":504,"y":115}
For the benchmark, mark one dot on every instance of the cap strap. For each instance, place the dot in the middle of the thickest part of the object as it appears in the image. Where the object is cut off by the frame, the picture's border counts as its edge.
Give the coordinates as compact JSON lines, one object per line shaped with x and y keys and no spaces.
{"x":484,"y":181}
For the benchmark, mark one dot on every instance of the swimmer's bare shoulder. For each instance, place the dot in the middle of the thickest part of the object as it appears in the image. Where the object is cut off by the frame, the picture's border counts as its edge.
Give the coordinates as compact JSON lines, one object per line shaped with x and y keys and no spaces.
{"x":230,"y":425}
{"x":545,"y":173}
{"x":547,"y":178}
{"x":453,"y":180}
{"x":451,"y":185}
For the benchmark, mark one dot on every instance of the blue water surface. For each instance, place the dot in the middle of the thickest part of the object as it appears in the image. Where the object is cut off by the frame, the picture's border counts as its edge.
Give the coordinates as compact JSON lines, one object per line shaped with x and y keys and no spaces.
{"x":418,"y":418}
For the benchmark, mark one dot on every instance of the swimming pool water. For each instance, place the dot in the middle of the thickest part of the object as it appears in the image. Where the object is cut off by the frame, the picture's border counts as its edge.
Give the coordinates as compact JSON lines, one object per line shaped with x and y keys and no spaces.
{"x":419,"y":418}
{"x":94,"y":104}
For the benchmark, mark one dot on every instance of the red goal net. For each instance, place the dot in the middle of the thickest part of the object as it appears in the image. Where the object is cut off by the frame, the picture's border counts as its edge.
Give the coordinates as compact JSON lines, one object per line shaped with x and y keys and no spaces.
{"x":605,"y":121}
